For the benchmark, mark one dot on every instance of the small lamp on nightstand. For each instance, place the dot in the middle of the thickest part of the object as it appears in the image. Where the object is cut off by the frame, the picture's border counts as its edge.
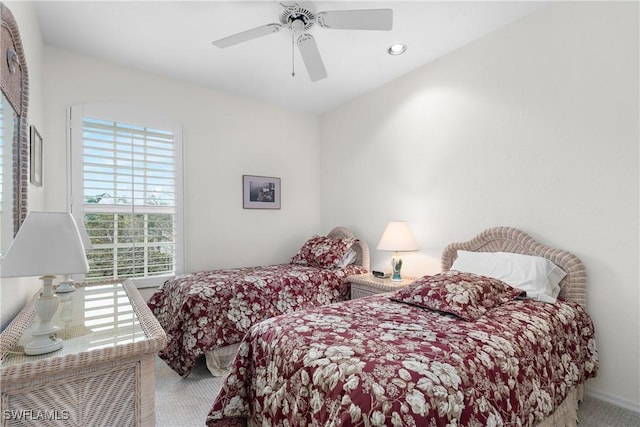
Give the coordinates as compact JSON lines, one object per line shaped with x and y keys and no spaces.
{"x":46,"y":244}
{"x":397,"y":237}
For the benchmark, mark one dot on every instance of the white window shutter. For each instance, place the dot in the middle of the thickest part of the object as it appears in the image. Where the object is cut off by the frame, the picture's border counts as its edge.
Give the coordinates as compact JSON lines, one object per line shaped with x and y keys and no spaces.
{"x":126,"y":186}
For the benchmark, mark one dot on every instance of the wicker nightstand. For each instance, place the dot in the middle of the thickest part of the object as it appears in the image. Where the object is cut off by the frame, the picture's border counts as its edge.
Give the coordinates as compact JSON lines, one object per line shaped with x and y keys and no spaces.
{"x":104,"y":373}
{"x":363,"y":285}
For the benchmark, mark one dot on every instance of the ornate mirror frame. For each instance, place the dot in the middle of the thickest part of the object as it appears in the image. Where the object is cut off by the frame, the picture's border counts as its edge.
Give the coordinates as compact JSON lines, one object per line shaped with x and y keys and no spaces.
{"x":14,"y":81}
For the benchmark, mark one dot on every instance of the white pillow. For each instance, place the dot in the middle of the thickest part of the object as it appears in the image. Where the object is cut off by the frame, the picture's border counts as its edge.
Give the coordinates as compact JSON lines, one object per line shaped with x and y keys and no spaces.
{"x":538,"y":276}
{"x":348,"y":258}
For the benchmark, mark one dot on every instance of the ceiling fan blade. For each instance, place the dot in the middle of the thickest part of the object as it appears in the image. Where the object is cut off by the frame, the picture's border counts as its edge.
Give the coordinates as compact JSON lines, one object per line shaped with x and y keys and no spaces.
{"x":365,"y":19}
{"x":311,"y":57}
{"x":244,"y":36}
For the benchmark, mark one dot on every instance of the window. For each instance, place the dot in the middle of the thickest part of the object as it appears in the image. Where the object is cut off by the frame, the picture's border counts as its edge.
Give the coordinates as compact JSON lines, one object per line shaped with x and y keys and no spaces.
{"x":126,"y":175}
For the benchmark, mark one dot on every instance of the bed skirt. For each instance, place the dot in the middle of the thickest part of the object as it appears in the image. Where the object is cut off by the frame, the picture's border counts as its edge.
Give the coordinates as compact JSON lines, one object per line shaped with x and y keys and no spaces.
{"x":218,"y":360}
{"x":565,"y":415}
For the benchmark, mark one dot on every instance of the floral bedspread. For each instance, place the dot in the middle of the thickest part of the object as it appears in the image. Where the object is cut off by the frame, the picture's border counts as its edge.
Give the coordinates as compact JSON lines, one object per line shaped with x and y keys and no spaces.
{"x":206,"y":310}
{"x":376,"y":362}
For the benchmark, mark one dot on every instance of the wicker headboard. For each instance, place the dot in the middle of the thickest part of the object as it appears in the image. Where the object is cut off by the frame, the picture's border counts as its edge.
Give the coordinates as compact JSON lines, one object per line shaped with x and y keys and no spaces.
{"x":360,"y":246}
{"x":508,"y":239}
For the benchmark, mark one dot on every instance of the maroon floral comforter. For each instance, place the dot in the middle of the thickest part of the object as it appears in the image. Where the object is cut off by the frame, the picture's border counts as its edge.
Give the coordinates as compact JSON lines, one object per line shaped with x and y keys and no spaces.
{"x":374,"y":362}
{"x":203,"y":311}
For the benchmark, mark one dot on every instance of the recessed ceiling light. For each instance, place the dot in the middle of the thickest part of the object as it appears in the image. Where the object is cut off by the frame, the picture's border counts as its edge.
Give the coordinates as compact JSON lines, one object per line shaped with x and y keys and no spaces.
{"x":397,"y":49}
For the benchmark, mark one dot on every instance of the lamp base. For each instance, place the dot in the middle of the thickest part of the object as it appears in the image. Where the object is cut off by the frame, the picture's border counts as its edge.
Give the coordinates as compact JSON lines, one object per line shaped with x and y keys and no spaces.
{"x":64,"y":287}
{"x":43,"y":342}
{"x":396,"y":265}
{"x":44,"y":335}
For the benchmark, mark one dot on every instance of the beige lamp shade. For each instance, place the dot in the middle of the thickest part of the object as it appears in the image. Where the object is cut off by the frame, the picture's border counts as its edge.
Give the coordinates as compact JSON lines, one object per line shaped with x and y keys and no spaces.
{"x":397,"y":237}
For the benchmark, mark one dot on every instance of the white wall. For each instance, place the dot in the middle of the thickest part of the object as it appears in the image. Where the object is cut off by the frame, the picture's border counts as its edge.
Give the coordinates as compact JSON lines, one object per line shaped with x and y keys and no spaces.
{"x":534,"y":126}
{"x":14,"y":293}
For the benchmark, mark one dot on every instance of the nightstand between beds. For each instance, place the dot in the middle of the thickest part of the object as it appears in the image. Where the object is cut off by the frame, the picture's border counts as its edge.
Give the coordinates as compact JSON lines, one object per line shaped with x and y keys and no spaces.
{"x":364,"y":285}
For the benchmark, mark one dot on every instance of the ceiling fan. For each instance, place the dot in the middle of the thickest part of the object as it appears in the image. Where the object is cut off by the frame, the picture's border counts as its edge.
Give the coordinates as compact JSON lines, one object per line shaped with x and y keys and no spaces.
{"x":300,"y":19}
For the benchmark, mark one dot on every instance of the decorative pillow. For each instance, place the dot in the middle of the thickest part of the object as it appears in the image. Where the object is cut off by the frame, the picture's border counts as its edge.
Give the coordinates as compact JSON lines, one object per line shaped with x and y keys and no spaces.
{"x":469,"y":296}
{"x":535,"y":275}
{"x":323,"y":252}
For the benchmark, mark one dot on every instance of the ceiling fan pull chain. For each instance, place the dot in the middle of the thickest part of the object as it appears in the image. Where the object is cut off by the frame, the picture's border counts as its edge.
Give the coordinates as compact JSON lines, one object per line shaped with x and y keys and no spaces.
{"x":293,"y":56}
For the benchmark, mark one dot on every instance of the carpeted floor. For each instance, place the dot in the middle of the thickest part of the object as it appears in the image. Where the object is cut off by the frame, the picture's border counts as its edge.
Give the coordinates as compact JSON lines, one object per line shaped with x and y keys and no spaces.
{"x":185,"y":402}
{"x":596,"y":413}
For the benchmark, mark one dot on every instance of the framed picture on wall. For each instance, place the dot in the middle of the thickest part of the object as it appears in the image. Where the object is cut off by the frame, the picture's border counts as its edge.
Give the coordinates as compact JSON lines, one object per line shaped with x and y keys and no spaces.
{"x":260,"y":192}
{"x":35,"y":155}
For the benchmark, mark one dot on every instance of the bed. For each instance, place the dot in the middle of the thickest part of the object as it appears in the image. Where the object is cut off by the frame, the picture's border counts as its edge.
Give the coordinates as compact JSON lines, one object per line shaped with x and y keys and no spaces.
{"x":209,"y":312}
{"x":455,"y":348}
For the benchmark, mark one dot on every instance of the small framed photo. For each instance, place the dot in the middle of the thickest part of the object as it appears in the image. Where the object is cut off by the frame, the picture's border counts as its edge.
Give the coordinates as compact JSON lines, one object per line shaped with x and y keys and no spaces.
{"x":35,"y":155}
{"x":260,"y":192}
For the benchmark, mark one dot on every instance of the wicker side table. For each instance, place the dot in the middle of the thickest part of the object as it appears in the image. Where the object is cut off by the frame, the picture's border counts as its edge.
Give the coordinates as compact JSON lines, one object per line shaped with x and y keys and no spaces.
{"x":104,"y":373}
{"x":363,"y":285}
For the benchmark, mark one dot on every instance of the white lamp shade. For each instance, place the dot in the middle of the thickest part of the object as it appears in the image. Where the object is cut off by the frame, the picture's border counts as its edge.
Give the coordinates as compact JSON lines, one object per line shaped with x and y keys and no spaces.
{"x":397,"y":237}
{"x":84,"y":235}
{"x":47,"y":243}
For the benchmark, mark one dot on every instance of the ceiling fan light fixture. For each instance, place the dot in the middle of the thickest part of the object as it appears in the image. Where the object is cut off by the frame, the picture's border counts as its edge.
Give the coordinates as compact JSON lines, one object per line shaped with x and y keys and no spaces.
{"x":397,"y":49}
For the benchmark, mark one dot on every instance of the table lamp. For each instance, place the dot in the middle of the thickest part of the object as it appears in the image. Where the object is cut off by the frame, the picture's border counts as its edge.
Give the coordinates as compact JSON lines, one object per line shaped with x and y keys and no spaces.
{"x":397,"y":237}
{"x":47,"y":243}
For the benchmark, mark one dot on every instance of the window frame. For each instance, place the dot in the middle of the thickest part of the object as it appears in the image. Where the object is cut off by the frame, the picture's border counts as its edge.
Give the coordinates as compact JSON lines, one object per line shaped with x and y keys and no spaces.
{"x":124,"y":113}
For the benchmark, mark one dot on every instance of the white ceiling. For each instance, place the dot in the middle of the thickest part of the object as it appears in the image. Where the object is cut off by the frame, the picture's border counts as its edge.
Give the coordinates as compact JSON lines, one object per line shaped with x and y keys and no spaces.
{"x":173,"y":38}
